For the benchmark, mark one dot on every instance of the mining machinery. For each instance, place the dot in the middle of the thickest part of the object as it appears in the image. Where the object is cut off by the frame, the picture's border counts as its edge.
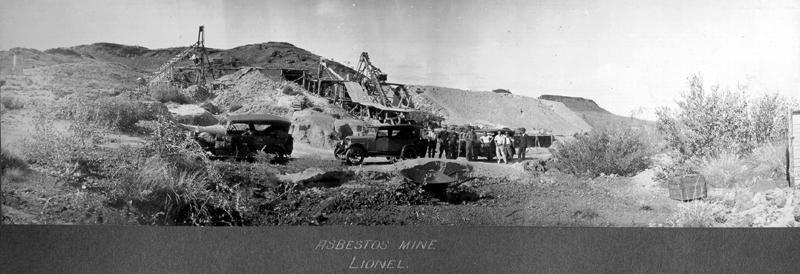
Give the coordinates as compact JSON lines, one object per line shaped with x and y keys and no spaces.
{"x":196,"y":52}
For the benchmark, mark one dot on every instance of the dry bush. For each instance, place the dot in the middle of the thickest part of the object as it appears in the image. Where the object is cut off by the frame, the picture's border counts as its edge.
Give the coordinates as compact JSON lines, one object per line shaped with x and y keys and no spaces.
{"x":169,"y":181}
{"x":161,"y":192}
{"x":118,"y":113}
{"x":698,"y":214}
{"x":9,"y":161}
{"x":769,"y":160}
{"x":621,"y":151}
{"x":728,"y":169}
{"x":725,"y":170}
{"x":12,"y":103}
{"x":63,"y":152}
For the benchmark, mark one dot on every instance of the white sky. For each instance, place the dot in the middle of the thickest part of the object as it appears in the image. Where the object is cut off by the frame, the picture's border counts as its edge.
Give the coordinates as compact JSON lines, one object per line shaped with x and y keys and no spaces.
{"x":626,"y":55}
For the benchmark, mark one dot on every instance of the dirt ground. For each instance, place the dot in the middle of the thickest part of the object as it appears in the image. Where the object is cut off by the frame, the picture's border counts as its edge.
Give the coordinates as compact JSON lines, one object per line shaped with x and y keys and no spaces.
{"x":498,"y":194}
{"x":507,"y":194}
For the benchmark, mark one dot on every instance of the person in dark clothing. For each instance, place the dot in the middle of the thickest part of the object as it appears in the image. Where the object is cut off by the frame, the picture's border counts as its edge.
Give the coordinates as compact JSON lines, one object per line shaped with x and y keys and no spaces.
{"x":522,"y":144}
{"x":452,"y":145}
{"x":441,"y":142}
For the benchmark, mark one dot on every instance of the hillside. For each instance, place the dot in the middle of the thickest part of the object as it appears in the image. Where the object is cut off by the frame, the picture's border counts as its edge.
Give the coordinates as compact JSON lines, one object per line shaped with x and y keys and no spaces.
{"x":32,"y":58}
{"x":498,"y":110}
{"x":595,"y":115}
{"x":270,"y":54}
{"x":107,"y":66}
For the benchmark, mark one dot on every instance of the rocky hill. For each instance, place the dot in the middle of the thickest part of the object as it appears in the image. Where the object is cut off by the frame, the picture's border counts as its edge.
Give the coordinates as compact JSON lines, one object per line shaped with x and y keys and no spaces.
{"x":595,"y":115}
{"x":113,"y":66}
{"x":498,"y":110}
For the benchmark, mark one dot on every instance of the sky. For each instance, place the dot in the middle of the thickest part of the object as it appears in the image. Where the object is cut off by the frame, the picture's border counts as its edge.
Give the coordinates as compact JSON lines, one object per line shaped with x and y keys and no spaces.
{"x":630,"y":56}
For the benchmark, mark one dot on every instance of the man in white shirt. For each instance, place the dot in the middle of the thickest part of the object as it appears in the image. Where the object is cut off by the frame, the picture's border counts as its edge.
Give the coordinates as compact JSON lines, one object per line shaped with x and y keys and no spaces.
{"x":501,"y":143}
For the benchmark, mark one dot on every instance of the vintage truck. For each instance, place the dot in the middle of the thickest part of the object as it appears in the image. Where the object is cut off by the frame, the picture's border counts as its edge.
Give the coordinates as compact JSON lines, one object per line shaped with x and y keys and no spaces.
{"x":393,"y":142}
{"x":244,"y":135}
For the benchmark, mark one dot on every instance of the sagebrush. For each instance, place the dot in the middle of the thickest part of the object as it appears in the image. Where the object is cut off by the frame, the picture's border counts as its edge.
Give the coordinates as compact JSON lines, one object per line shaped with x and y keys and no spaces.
{"x":622,"y":151}
{"x":117,"y":113}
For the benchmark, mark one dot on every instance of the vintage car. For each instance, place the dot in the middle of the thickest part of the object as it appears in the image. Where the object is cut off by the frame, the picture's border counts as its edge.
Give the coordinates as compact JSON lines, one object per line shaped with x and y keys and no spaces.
{"x":396,"y":141}
{"x":244,"y":135}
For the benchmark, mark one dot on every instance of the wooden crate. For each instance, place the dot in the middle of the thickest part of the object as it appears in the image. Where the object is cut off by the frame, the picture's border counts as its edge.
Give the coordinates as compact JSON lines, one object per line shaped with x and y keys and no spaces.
{"x":688,"y":187}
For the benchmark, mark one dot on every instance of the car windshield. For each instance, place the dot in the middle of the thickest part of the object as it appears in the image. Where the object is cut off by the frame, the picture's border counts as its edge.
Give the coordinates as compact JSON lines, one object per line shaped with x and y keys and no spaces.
{"x":261,"y":127}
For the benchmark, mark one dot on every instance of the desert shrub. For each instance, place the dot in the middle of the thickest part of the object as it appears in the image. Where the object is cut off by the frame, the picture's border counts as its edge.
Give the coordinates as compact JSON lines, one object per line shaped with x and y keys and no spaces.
{"x":698,"y":214}
{"x":621,"y":151}
{"x":728,"y":169}
{"x":64,"y":153}
{"x":118,"y":113}
{"x":709,"y":122}
{"x":10,"y":161}
{"x":244,"y":174}
{"x":168,"y":93}
{"x":161,"y":192}
{"x":12,"y":103}
{"x":725,"y":170}
{"x":169,"y":181}
{"x":769,"y":160}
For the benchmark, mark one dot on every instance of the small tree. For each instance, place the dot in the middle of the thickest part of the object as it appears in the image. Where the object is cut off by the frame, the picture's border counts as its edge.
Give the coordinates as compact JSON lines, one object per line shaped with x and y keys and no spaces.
{"x":708,"y":123}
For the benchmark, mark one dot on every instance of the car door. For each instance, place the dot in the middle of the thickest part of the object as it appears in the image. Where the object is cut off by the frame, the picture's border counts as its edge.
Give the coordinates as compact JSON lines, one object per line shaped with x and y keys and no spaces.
{"x":382,"y":140}
{"x":262,"y":136}
{"x":399,"y":138}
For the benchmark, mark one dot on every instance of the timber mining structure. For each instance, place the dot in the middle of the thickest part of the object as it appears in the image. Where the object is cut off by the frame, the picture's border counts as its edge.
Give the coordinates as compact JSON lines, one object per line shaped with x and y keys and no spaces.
{"x":365,"y":94}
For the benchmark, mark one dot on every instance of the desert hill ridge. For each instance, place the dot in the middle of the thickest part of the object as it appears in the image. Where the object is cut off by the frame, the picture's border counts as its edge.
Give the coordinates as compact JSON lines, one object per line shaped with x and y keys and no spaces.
{"x":562,"y":115}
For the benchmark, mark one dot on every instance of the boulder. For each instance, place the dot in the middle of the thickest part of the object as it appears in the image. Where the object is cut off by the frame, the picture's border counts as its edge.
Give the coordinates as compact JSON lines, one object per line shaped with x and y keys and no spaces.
{"x":436,"y":172}
{"x":192,"y":115}
{"x":315,"y":128}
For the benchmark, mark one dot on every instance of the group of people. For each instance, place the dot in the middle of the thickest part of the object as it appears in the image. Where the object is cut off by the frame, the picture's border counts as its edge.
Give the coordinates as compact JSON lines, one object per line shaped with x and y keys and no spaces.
{"x":451,"y":142}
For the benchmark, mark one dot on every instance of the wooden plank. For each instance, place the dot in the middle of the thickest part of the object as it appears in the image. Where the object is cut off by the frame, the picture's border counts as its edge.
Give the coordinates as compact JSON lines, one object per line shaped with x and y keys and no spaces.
{"x":794,"y":147}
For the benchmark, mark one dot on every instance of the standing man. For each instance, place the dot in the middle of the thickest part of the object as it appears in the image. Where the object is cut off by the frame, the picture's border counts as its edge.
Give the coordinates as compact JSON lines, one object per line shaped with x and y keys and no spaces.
{"x":469,"y":141}
{"x":431,"y":142}
{"x":441,"y":142}
{"x":522,"y":144}
{"x":461,"y":141}
{"x":501,"y":147}
{"x":424,"y":142}
{"x":452,"y":141}
{"x":486,"y":145}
